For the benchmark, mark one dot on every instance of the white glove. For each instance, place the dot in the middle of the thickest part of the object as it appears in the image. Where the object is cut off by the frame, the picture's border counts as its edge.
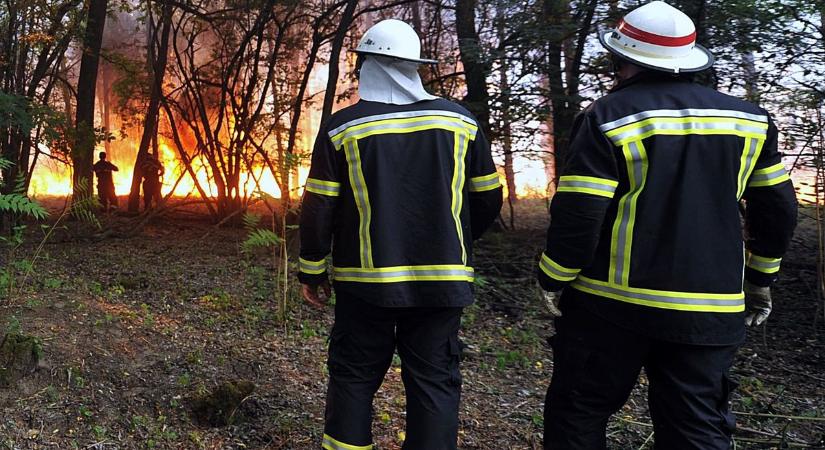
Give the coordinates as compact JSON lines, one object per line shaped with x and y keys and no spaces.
{"x":550,"y":301}
{"x":757,"y":304}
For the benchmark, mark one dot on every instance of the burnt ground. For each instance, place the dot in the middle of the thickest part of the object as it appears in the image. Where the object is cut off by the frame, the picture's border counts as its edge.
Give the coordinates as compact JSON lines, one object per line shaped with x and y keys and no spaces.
{"x":132,"y":329}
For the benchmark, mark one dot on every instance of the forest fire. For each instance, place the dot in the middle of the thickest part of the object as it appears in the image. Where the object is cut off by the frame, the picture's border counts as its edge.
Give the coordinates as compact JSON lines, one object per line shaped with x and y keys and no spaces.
{"x":53,"y":178}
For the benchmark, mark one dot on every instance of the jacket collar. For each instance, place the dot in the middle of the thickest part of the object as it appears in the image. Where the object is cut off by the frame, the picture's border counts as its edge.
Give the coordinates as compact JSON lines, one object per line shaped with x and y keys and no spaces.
{"x":650,"y":76}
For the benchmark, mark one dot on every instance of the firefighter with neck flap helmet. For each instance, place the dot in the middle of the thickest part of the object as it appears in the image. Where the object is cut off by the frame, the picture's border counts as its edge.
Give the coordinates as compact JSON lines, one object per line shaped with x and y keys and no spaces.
{"x":645,"y":260}
{"x":400,"y":185}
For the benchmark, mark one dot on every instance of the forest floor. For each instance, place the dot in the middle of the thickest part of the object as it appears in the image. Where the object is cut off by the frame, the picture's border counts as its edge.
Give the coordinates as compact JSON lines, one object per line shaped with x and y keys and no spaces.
{"x":132,"y":329}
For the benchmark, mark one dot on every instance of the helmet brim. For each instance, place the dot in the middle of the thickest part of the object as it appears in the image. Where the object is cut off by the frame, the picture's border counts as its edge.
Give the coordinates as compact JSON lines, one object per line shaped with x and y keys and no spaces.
{"x":697,"y":60}
{"x":420,"y":61}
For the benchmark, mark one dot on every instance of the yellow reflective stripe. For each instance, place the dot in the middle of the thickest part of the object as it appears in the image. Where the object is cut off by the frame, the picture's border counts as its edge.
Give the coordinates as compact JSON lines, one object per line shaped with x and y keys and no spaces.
{"x":750,"y":154}
{"x":602,"y":187}
{"x":401,"y":115}
{"x":769,"y":176}
{"x":322,"y":187}
{"x":763,"y":264}
{"x":685,"y":126}
{"x":362,"y":201}
{"x":312,"y":267}
{"x":674,"y":300}
{"x":622,"y":235}
{"x":444,"y":272}
{"x":688,"y":112}
{"x":331,"y":184}
{"x":454,"y":129}
{"x":332,"y":444}
{"x":597,"y":180}
{"x":460,"y":144}
{"x":404,"y":125}
{"x":485,"y":183}
{"x":555,"y":270}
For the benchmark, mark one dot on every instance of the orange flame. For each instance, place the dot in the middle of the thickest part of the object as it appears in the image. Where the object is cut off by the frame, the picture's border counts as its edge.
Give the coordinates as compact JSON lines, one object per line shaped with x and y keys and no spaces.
{"x":52,"y":178}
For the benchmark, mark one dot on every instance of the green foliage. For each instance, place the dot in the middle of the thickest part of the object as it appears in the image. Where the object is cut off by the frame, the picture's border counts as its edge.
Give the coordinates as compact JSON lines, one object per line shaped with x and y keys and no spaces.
{"x":20,"y":204}
{"x":85,"y":204}
{"x":261,"y":238}
{"x":16,"y":202}
{"x":258,"y":237}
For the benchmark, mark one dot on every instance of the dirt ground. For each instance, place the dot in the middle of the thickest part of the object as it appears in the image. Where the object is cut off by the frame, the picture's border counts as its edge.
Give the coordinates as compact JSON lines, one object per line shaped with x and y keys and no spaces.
{"x":132,"y":329}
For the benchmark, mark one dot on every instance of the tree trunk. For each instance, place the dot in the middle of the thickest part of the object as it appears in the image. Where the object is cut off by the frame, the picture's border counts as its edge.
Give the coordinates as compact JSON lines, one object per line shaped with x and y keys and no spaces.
{"x":157,"y":62}
{"x":84,"y":144}
{"x":475,"y":68}
{"x":557,"y":17}
{"x":751,"y":77}
{"x":506,"y":128}
{"x":335,"y":59}
{"x":104,"y":100}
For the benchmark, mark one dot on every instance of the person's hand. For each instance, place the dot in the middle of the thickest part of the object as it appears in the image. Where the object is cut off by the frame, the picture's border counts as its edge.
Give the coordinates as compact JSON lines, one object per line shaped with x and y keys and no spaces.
{"x":550,"y":300}
{"x":312,"y":293}
{"x":757,"y":304}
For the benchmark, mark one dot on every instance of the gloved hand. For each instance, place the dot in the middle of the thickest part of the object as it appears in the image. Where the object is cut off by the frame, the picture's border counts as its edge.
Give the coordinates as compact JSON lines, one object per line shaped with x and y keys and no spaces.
{"x":550,"y":301}
{"x":757,"y":304}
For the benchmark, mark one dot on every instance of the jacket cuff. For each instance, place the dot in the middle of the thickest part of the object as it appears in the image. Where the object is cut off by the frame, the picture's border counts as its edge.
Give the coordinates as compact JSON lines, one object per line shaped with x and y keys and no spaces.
{"x":553,"y":276}
{"x":762,"y":271}
{"x":312,"y":273}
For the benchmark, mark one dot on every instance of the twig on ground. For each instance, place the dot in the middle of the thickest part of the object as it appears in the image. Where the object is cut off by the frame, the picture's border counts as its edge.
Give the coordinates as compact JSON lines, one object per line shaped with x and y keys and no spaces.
{"x":644,"y":444}
{"x":779,"y":416}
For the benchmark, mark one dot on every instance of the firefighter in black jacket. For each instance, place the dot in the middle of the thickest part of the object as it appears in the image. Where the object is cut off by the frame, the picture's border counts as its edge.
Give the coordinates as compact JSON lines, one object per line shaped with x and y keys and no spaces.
{"x":402,"y":183}
{"x":646,"y":242}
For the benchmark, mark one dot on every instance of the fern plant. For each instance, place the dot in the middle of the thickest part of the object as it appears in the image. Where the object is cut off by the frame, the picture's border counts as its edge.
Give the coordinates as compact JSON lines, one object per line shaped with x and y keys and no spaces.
{"x":256,"y":236}
{"x":17,"y":202}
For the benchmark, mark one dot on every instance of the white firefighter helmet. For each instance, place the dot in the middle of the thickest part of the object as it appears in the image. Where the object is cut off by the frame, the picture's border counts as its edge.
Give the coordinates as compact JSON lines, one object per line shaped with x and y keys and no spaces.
{"x":658,"y":36}
{"x":392,"y":38}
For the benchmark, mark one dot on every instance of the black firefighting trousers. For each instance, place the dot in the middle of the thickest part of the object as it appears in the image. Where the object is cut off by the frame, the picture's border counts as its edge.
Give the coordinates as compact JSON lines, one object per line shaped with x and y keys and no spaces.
{"x":361,"y":348}
{"x":596,"y":366}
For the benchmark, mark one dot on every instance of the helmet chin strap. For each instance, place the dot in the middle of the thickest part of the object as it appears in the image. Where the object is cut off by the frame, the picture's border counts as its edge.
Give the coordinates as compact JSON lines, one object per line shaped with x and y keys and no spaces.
{"x":359,"y":62}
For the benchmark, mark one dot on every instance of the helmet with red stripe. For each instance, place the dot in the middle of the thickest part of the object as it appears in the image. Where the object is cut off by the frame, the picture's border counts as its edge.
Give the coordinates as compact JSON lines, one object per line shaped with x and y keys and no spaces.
{"x":658,"y":36}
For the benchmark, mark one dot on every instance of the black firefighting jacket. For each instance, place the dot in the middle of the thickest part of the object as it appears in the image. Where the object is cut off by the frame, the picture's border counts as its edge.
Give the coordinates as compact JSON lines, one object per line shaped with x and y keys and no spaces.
{"x":646,"y":225}
{"x":398,"y":193}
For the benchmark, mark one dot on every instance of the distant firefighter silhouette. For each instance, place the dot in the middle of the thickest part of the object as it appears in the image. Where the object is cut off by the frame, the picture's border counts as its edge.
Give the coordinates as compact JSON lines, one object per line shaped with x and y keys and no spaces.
{"x":152,"y":172}
{"x":105,"y":184}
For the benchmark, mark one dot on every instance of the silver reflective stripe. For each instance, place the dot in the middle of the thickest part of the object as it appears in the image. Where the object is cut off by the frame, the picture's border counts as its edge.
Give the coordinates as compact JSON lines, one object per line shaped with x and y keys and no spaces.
{"x":323,"y":187}
{"x":587,"y":184}
{"x":458,"y":190}
{"x":402,"y":115}
{"x":636,"y":177}
{"x":621,"y":137}
{"x":681,"y":113}
{"x":749,"y":162}
{"x":430,"y":123}
{"x":768,"y":176}
{"x":312,"y":266}
{"x":401,"y":272}
{"x":555,"y":273}
{"x":651,"y":297}
{"x":759,"y":264}
{"x":361,"y":200}
{"x":484,"y":184}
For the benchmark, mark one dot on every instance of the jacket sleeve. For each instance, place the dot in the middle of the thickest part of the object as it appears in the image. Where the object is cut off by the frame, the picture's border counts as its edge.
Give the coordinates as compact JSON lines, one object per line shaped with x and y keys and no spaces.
{"x":321,"y":192}
{"x":484,"y":186}
{"x":586,"y":187}
{"x":770,"y":214}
